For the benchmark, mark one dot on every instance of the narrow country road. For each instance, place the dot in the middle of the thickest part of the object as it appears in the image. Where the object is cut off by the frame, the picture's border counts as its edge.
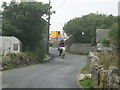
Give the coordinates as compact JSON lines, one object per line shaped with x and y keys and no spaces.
{"x":57,"y":73}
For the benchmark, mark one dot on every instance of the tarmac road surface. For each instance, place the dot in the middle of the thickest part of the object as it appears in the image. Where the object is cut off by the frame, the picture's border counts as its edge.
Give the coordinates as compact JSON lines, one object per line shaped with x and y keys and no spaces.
{"x":56,"y":73}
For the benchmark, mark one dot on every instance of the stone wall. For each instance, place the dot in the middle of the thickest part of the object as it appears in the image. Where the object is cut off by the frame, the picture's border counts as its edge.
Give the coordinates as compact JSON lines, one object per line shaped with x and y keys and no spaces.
{"x":83,"y":48}
{"x":103,"y":78}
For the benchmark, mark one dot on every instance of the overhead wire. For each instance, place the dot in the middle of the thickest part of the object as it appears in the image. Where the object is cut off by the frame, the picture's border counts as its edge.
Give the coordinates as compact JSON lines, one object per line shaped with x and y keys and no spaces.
{"x":62,"y":4}
{"x":58,"y":9}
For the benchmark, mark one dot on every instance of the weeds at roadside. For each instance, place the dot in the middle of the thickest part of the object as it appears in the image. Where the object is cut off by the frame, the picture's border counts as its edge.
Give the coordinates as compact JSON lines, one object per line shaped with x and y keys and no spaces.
{"x":85,"y":70}
{"x":87,"y":82}
{"x":109,"y":59}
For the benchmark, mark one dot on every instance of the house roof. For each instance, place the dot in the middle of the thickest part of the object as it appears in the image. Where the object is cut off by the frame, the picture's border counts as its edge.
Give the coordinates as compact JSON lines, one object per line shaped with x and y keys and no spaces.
{"x":12,"y":38}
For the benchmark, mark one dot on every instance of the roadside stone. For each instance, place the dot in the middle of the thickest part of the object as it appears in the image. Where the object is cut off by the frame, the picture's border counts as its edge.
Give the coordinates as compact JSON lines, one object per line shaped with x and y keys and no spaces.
{"x":94,"y":61}
{"x":94,"y":76}
{"x":115,"y":85}
{"x":118,"y":80}
{"x":113,"y":80}
{"x":47,"y":57}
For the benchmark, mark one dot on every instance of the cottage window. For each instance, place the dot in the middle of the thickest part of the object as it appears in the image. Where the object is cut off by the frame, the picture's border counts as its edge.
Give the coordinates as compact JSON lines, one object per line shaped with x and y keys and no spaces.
{"x":15,"y":47}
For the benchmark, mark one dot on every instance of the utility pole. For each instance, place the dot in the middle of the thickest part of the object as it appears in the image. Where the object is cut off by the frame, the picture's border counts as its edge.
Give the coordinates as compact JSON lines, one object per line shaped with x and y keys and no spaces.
{"x":48,"y":25}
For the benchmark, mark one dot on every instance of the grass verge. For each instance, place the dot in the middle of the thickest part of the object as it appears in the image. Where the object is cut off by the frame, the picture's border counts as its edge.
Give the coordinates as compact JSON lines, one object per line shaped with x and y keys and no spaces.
{"x":85,"y":70}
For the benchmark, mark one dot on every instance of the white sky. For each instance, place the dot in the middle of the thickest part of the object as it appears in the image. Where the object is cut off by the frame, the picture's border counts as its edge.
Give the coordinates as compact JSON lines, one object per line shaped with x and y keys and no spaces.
{"x":69,"y":9}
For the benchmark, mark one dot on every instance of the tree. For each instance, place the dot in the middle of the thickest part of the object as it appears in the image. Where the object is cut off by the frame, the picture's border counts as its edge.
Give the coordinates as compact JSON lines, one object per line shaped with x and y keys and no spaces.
{"x":24,"y":20}
{"x":0,"y":12}
{"x":88,"y":24}
{"x":106,"y":42}
{"x":113,"y":33}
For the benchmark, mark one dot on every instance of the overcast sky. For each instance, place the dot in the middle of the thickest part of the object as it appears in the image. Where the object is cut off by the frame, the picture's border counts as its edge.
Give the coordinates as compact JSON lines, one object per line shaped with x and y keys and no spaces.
{"x":69,"y":9}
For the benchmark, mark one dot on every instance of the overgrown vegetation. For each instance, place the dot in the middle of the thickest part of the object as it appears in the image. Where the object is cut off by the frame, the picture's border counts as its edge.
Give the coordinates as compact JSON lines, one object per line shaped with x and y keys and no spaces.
{"x":109,"y":59}
{"x":50,"y":44}
{"x":16,"y":60}
{"x":87,"y":82}
{"x":114,"y":33}
{"x":85,"y":70}
{"x":105,"y":42}
{"x":112,"y":37}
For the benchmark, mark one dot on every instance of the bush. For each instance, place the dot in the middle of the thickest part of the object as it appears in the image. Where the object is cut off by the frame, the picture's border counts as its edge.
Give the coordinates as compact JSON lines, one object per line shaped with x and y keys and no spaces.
{"x":40,"y":54}
{"x":87,"y":82}
{"x":11,"y":55}
{"x":5,"y":61}
{"x":50,"y":44}
{"x":15,"y":60}
{"x":106,"y":42}
{"x":8,"y":67}
{"x":29,"y":53}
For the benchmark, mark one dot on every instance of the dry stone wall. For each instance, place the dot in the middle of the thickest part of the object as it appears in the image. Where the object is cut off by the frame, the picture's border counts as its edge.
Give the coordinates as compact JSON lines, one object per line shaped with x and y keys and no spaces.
{"x":103,"y":78}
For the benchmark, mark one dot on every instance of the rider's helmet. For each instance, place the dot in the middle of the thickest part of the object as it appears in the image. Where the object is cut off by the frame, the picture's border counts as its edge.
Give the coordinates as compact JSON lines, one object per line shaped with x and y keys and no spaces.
{"x":62,"y":40}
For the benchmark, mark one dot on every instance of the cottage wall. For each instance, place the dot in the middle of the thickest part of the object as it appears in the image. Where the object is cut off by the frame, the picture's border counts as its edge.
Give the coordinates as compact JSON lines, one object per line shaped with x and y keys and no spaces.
{"x":9,"y":45}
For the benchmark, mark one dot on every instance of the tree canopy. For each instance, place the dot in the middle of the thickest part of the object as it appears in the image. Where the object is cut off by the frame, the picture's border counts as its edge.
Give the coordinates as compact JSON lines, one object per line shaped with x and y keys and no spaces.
{"x":0,"y":12}
{"x":24,"y":20}
{"x":113,"y":33}
{"x":88,"y":24}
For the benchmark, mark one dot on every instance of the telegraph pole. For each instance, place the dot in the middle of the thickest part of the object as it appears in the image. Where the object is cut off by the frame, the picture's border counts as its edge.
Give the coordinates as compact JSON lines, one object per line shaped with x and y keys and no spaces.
{"x":48,"y":25}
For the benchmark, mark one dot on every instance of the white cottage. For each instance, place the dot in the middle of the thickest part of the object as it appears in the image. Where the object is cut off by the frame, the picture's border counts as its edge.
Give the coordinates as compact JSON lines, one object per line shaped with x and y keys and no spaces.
{"x":9,"y":45}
